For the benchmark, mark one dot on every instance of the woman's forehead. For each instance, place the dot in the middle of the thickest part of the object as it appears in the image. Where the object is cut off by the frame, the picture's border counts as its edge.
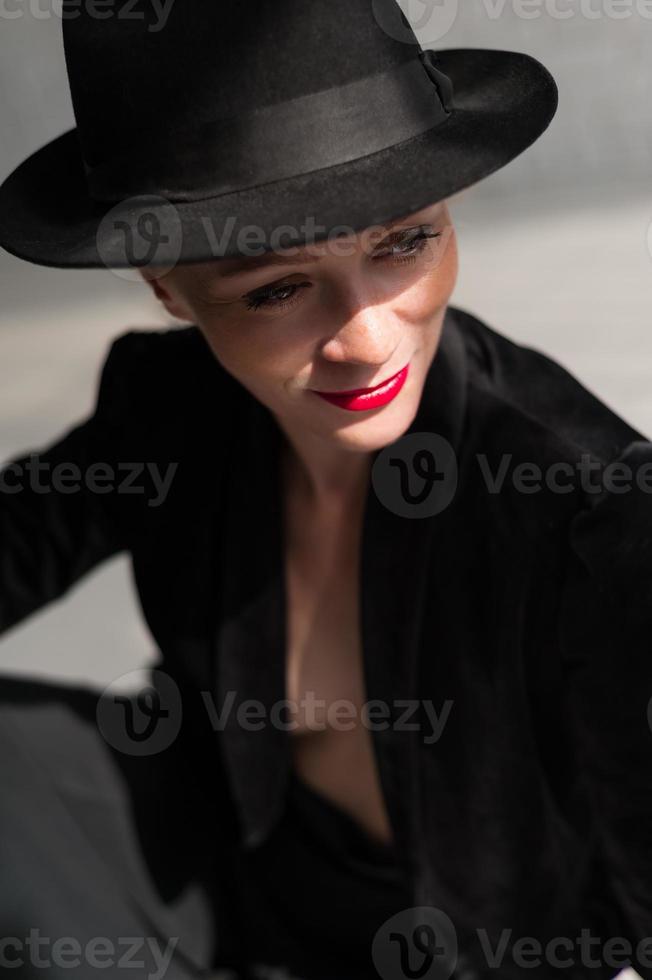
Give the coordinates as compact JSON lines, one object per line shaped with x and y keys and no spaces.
{"x":336,"y":243}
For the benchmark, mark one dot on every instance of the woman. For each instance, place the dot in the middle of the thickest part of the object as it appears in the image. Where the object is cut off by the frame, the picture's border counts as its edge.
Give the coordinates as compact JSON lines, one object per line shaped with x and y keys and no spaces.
{"x":401,"y":728}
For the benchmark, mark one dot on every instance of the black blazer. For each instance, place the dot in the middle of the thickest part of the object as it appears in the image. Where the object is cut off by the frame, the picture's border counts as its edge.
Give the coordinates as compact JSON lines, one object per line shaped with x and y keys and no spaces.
{"x":524,"y":618}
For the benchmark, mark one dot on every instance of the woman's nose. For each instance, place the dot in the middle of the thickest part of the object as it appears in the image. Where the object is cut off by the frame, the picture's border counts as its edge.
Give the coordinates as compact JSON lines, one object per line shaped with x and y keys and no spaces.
{"x":368,"y":336}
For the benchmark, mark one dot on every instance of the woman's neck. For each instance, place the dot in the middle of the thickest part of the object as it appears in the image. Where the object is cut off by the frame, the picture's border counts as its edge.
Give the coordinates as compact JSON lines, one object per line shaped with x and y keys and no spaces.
{"x":327,"y":477}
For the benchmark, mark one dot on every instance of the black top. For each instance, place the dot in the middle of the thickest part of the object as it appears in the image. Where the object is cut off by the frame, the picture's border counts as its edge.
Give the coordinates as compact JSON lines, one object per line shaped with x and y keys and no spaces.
{"x":518,"y":621}
{"x":313,"y":895}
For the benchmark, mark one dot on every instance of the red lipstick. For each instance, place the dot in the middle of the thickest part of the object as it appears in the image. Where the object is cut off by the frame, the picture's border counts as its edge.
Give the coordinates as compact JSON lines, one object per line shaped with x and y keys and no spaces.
{"x":361,"y":399}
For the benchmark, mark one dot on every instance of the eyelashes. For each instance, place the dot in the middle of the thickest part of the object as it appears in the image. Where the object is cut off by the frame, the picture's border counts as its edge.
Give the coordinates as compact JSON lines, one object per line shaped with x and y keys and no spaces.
{"x":273,"y":296}
{"x":416,"y":243}
{"x":283,"y":295}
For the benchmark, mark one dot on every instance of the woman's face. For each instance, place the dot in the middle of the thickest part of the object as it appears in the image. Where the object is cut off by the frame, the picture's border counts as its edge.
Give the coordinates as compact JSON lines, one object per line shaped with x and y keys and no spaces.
{"x":337,"y":315}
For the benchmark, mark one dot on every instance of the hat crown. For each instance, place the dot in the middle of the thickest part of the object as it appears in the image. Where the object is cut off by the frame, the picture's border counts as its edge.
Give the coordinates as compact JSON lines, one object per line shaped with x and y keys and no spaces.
{"x":202,"y":125}
{"x":150,"y":67}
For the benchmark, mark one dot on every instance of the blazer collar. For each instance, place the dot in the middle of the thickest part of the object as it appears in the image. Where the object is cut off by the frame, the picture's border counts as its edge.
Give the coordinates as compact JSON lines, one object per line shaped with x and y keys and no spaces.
{"x":250,"y":639}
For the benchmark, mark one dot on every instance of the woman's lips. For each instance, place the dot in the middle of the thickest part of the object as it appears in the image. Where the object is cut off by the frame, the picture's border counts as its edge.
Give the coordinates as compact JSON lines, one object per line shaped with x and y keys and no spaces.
{"x":359,"y":399}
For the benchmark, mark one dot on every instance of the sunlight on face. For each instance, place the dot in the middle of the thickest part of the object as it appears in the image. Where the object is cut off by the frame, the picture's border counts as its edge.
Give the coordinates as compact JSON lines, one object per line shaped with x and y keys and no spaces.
{"x":338,"y":315}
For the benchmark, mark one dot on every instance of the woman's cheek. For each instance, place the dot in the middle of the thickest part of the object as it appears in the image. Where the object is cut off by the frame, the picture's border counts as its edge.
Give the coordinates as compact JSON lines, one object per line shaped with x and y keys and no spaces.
{"x":255,"y":350}
{"x":425,"y":299}
{"x":449,"y":262}
{"x":441,"y":277}
{"x":225,"y":337}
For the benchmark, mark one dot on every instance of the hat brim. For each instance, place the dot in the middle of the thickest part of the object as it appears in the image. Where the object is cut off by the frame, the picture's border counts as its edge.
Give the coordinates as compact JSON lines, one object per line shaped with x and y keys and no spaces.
{"x":503,"y":101}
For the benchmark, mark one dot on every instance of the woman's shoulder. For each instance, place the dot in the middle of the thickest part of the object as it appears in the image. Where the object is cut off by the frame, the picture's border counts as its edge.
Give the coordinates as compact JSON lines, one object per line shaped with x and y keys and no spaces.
{"x":540,"y":394}
{"x":166,"y":349}
{"x":167,"y":368}
{"x":609,"y":527}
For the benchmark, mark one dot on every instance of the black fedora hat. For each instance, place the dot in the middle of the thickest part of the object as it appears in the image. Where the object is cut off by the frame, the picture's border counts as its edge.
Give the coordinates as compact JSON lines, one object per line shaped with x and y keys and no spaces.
{"x":232,"y":126}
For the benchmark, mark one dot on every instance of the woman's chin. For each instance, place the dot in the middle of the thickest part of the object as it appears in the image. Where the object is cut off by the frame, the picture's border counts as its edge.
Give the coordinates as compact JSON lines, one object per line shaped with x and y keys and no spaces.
{"x":367,"y":431}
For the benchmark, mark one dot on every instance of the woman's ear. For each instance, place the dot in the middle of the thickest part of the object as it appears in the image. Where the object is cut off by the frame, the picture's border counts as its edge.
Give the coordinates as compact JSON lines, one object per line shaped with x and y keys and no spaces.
{"x":164,"y":291}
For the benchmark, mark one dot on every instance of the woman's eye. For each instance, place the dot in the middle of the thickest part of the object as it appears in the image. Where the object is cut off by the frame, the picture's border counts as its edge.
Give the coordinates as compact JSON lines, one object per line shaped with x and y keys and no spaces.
{"x":276,"y":296}
{"x":408,"y":248}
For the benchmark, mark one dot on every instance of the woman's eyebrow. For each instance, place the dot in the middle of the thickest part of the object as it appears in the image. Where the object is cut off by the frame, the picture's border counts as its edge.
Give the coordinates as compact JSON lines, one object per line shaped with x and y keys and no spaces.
{"x":237,"y":266}
{"x":299,"y":256}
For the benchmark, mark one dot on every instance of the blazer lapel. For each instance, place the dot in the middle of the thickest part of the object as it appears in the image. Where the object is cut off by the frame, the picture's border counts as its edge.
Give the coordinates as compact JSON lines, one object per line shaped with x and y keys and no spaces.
{"x":394,"y":588}
{"x":251,"y":639}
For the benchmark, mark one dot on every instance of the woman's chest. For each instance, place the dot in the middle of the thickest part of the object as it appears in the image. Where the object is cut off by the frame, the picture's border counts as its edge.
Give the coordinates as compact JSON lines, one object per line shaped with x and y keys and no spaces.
{"x":331,"y":745}
{"x":323,"y":664}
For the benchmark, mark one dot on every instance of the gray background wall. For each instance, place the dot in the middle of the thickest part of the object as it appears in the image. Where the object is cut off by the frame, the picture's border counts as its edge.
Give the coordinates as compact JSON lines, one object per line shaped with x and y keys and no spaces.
{"x":600,"y":52}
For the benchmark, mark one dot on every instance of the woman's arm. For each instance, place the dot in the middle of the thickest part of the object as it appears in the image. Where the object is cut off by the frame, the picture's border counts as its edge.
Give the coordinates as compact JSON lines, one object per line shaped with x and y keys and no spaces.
{"x":607,"y":653}
{"x":59,"y":507}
